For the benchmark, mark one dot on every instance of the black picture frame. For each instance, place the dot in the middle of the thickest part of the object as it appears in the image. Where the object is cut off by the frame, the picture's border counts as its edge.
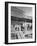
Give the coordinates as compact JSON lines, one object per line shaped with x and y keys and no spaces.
{"x":6,"y":22}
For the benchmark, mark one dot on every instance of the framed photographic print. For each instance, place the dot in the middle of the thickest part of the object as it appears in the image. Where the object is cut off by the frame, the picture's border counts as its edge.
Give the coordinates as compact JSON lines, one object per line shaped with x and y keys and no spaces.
{"x":20,"y":22}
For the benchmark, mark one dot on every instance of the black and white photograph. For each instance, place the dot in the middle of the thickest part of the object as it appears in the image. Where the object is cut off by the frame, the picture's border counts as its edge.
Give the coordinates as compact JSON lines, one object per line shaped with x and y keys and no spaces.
{"x":21,"y":22}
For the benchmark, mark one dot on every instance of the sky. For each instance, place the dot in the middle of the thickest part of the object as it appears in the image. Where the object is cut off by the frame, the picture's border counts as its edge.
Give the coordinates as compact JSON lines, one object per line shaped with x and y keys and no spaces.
{"x":21,"y":11}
